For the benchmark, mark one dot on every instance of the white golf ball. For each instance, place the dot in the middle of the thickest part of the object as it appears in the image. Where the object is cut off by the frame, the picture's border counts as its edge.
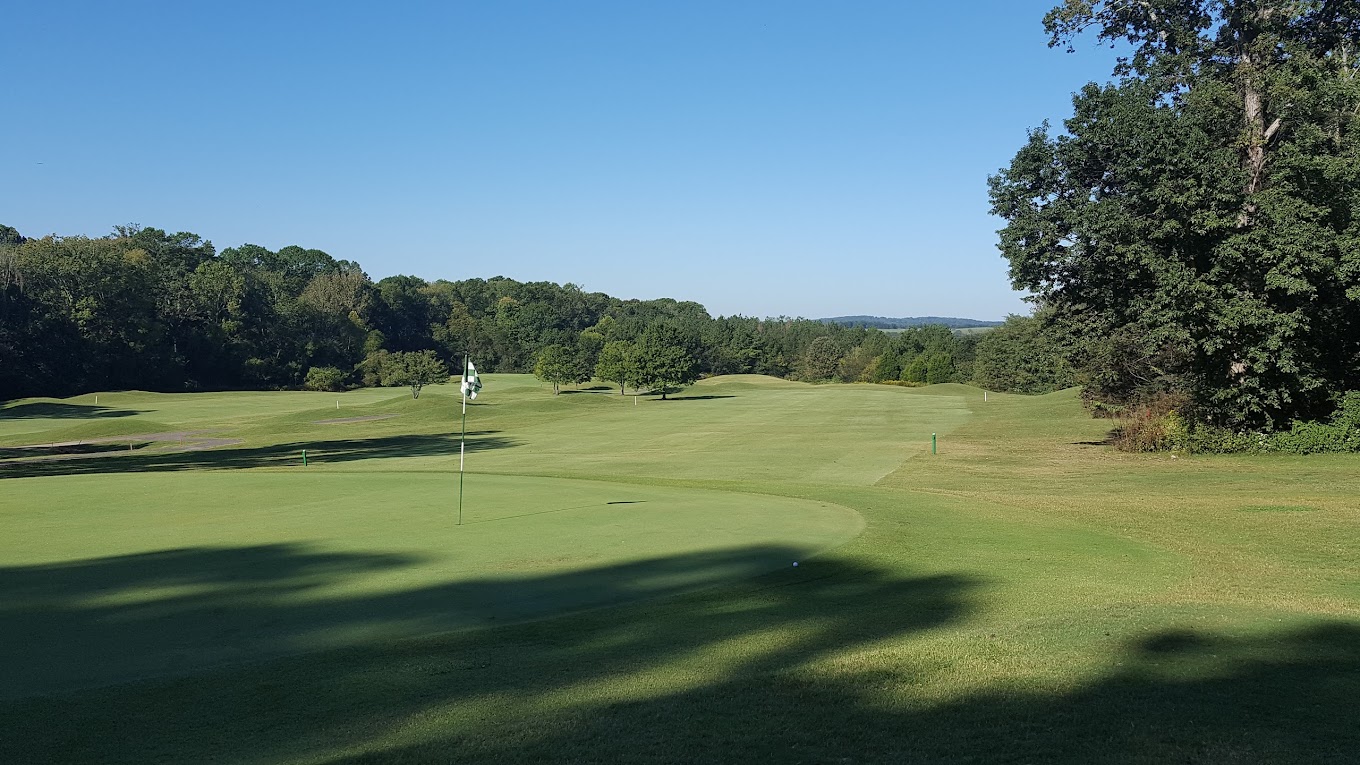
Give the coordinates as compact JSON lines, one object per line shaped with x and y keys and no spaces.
{"x":795,"y":564}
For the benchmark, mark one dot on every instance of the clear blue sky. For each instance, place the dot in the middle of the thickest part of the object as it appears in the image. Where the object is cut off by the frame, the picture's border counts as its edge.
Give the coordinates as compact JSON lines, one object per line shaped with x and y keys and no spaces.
{"x":798,"y":158}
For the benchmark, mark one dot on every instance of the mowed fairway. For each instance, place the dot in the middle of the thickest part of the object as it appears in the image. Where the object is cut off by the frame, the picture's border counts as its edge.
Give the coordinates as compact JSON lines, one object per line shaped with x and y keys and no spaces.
{"x":176,"y":586}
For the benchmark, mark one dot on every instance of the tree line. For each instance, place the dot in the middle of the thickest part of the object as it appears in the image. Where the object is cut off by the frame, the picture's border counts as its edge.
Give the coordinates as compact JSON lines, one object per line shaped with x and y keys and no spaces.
{"x":146,"y":309}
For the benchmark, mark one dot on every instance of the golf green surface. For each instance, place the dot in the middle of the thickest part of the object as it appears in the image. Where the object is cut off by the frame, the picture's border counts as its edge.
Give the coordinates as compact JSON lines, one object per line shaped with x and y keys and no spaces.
{"x":176,"y":585}
{"x":176,"y":547}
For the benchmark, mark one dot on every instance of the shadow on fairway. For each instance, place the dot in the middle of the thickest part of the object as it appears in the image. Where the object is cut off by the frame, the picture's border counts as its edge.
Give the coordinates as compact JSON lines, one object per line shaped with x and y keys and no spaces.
{"x":106,"y":620}
{"x":1192,"y":698}
{"x":698,"y":398}
{"x":793,"y":665}
{"x":45,"y":451}
{"x":50,"y":410}
{"x":275,"y":455}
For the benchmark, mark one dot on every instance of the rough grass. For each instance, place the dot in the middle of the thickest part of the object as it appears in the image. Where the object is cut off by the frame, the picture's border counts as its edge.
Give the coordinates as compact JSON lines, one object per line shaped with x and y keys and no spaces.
{"x":1026,"y":595}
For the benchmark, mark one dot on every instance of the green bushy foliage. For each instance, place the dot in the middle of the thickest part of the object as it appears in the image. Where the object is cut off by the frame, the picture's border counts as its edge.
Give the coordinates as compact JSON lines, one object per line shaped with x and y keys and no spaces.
{"x":1167,"y":431}
{"x":1208,"y":439}
{"x":325,"y":378}
{"x":1340,"y":434}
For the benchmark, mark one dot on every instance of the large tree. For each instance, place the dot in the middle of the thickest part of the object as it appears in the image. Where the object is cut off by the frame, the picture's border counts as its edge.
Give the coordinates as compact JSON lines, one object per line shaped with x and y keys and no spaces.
{"x":661,"y":359}
{"x":560,"y":366}
{"x":615,"y":363}
{"x":415,"y":369}
{"x":1196,"y":227}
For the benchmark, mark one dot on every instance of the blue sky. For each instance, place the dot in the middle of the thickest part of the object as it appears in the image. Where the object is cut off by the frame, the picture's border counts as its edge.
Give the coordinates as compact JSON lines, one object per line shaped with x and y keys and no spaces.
{"x":772,"y":158}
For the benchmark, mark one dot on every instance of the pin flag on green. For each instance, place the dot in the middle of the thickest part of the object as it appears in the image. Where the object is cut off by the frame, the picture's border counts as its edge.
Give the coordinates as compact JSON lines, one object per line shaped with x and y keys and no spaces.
{"x":471,"y":383}
{"x":469,"y":387}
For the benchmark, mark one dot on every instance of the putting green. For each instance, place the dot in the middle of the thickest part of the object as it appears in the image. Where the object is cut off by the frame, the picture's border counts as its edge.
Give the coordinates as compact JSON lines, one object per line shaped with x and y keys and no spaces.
{"x":199,"y":568}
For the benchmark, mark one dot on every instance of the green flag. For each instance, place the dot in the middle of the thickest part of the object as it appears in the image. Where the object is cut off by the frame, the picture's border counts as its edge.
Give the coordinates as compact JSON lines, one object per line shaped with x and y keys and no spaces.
{"x":471,"y":383}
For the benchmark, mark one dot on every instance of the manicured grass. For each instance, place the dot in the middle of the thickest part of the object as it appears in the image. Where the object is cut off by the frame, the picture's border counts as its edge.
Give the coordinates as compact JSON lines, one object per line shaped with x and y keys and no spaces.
{"x":1025,"y":595}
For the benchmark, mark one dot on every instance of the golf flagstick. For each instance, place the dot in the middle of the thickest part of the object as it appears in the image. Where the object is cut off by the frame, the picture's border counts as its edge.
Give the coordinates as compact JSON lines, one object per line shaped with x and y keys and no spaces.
{"x":462,"y":440}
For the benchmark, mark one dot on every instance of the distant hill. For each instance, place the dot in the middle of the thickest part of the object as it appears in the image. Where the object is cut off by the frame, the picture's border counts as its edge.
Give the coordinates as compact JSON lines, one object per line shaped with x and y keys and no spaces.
{"x":884,"y":322}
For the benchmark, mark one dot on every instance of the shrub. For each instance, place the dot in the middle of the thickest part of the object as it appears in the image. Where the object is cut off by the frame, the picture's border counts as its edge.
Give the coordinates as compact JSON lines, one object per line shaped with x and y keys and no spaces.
{"x":325,"y":378}
{"x":1340,"y":434}
{"x":1103,"y":411}
{"x":1209,"y":439}
{"x":1154,"y":426}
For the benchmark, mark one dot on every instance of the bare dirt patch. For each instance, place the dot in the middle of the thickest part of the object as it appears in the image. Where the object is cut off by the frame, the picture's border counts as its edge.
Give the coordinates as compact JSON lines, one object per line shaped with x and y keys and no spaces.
{"x":178,"y":435}
{"x":110,"y":446}
{"x":342,"y":420}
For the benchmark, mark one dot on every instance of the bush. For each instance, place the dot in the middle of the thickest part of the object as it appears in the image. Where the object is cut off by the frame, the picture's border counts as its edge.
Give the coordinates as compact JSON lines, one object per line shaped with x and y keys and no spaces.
{"x":1208,"y":439}
{"x":1145,"y":431}
{"x":1150,"y":430}
{"x":1340,"y":434}
{"x":1101,"y":410}
{"x":325,"y":378}
{"x":1154,"y":426}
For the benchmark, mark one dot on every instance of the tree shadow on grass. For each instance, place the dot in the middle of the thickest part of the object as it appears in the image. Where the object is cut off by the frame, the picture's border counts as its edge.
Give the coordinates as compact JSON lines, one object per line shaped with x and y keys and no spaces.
{"x":105,"y":447}
{"x":1177,"y":697}
{"x":796,"y":665}
{"x":698,"y":398}
{"x":62,"y":411}
{"x":273,"y":455}
{"x":178,"y":612}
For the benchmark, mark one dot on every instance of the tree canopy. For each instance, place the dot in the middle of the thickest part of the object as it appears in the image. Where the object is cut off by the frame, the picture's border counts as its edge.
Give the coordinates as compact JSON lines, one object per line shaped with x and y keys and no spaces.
{"x":662,"y":359}
{"x":558,"y":365}
{"x":414,"y":369}
{"x":1194,"y":229}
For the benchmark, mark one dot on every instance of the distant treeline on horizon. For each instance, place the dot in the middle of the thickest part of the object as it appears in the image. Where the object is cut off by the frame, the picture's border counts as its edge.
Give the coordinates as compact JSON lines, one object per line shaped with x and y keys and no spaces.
{"x":884,"y":322}
{"x":146,"y":309}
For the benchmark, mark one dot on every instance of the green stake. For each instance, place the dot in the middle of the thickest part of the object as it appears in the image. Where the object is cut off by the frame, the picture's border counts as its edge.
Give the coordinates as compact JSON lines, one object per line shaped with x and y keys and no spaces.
{"x":304,"y":458}
{"x":932,"y":443}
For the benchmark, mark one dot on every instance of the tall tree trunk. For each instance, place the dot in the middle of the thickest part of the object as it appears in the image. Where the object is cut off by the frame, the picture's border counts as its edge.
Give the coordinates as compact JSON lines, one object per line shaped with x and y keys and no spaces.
{"x":1258,"y":135}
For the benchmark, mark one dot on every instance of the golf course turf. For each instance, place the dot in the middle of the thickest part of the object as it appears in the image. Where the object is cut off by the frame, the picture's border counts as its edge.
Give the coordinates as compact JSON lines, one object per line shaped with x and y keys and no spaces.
{"x":622,"y":588}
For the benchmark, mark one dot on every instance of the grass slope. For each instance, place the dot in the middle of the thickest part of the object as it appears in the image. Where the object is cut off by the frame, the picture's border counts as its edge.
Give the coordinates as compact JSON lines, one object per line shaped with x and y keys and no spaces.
{"x":1025,"y":595}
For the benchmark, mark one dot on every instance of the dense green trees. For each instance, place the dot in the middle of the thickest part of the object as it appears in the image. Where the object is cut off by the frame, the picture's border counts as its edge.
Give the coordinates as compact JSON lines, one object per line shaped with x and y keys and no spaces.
{"x":1195,"y":229}
{"x":143,"y":308}
{"x":558,"y":365}
{"x":1020,"y":357}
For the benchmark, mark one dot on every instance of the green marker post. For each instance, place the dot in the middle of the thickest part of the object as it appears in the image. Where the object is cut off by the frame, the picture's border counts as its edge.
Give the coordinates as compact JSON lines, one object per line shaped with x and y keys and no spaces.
{"x":304,"y":458}
{"x":932,"y":444}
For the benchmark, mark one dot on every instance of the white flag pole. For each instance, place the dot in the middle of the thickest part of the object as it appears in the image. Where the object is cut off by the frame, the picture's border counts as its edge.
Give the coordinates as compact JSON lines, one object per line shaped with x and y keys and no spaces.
{"x":462,"y":441}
